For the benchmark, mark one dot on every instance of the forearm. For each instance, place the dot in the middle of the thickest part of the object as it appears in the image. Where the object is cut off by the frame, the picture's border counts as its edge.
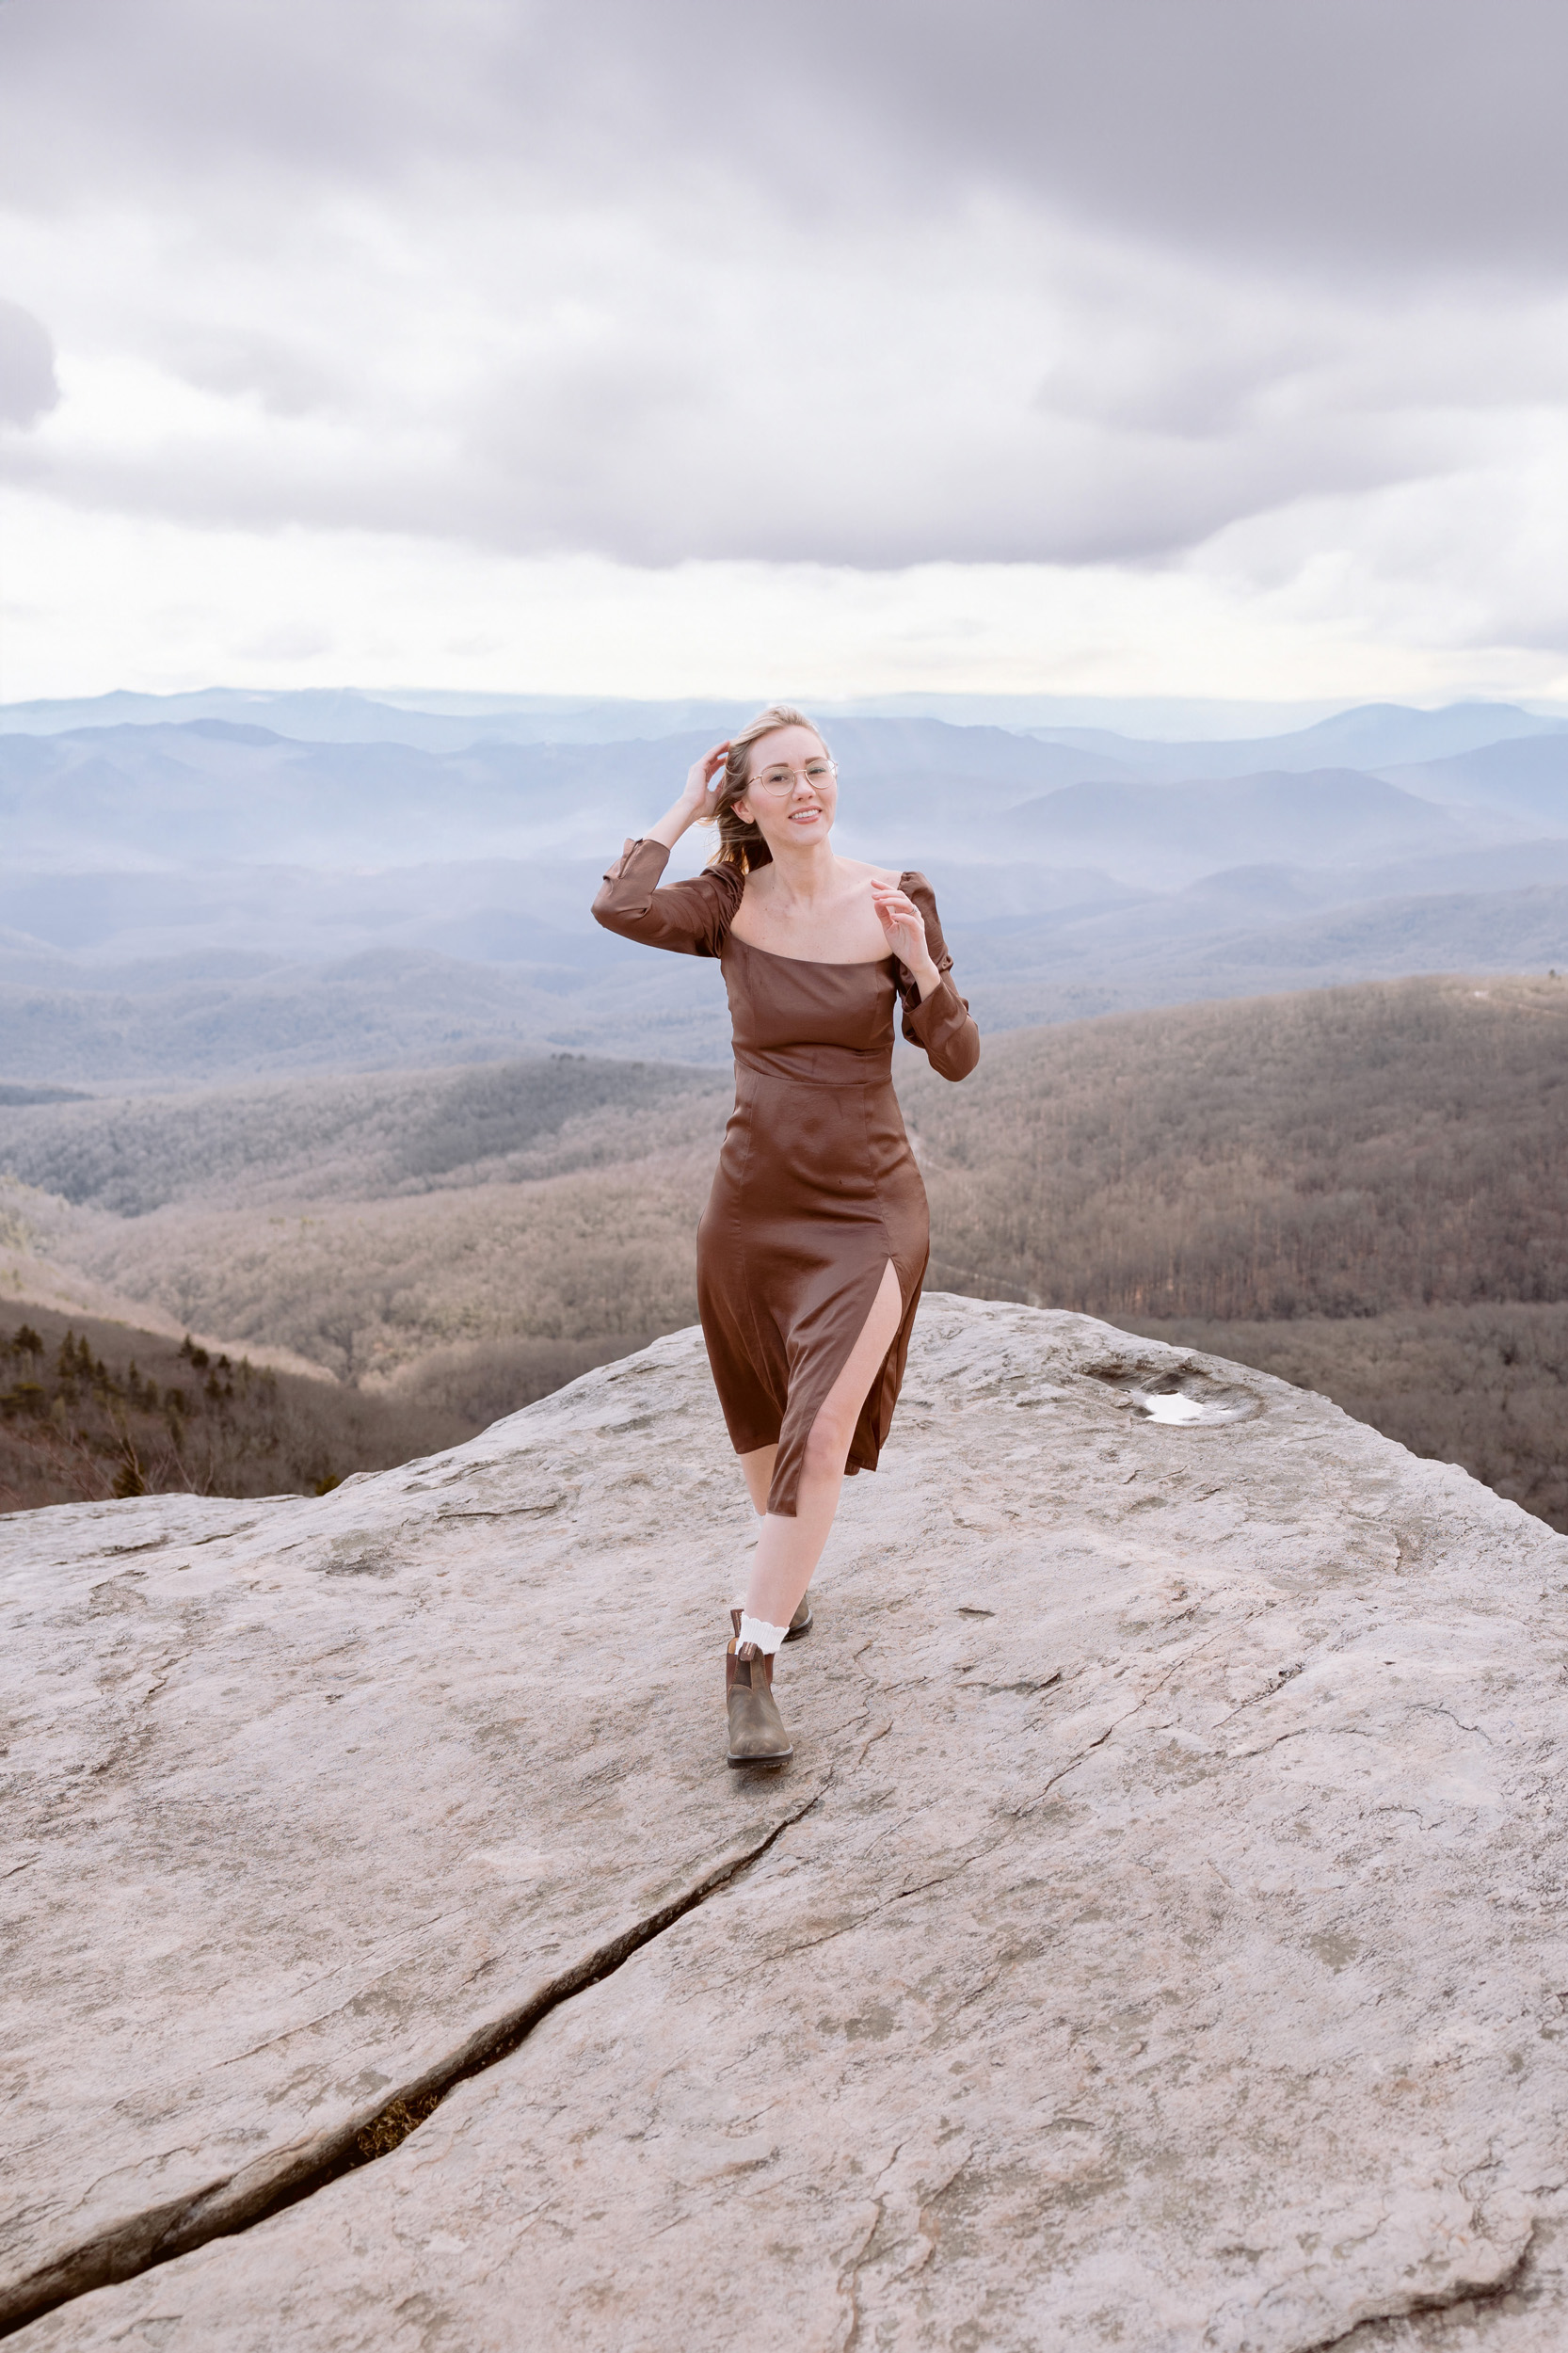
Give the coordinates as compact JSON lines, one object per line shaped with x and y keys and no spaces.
{"x":674,"y":823}
{"x":926,"y":978}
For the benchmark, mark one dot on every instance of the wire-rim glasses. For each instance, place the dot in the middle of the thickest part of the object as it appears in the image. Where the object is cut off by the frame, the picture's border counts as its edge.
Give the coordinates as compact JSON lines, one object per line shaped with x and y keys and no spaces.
{"x":776,"y":782}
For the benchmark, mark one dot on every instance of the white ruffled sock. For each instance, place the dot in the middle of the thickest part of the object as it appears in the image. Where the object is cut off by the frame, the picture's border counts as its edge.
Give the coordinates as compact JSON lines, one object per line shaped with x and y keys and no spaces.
{"x":767,"y":1638}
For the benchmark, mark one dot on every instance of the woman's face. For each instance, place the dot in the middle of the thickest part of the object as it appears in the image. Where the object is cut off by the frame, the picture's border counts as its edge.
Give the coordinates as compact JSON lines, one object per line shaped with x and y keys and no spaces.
{"x":791,"y":793}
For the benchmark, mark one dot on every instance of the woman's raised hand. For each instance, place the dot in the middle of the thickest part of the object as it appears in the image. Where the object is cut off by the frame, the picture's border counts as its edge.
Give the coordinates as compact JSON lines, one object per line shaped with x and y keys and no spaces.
{"x":903,"y":928}
{"x":698,"y":801}
{"x":702,"y":791}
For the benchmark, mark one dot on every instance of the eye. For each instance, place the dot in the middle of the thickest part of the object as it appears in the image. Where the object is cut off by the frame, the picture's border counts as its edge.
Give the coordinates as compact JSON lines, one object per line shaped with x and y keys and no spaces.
{"x":815,"y":771}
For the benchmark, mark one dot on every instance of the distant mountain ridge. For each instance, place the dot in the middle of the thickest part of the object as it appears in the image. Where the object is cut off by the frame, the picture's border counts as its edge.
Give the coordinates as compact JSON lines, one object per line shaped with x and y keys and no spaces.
{"x":198,"y":894}
{"x":1527,"y":778}
{"x":342,"y":715}
{"x":1368,"y":735}
{"x":1373,"y":736}
{"x":390,"y":1008}
{"x":1179,"y":831}
{"x":187,"y":795}
{"x":201,"y":789}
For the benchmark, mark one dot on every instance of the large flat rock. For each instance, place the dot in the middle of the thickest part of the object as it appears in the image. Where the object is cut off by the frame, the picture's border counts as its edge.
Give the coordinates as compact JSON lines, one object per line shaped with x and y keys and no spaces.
{"x":1159,"y":1940}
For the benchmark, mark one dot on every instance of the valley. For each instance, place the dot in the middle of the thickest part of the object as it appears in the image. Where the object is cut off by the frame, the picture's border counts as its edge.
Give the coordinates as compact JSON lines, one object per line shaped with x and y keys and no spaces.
{"x":1364,"y":1188}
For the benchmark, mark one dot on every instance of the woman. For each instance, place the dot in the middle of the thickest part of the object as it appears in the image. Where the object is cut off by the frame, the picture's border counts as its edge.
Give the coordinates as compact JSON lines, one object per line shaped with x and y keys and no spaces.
{"x":815,"y":1238}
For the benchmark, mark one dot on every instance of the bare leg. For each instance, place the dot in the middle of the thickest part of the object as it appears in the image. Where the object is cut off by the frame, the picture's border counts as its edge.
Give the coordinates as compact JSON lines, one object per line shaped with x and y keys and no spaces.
{"x":788,"y":1550}
{"x":758,"y":1468}
{"x":759,"y":1476}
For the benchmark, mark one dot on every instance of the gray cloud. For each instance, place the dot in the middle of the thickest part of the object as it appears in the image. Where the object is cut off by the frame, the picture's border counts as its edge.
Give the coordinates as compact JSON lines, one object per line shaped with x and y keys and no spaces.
{"x":28,"y":388}
{"x":241,"y":362}
{"x":1409,"y":133}
{"x":872,"y":285}
{"x":586,"y":462}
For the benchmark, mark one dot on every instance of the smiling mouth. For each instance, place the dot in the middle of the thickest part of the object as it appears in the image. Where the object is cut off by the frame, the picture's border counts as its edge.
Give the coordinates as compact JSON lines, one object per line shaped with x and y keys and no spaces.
{"x":797,"y":814}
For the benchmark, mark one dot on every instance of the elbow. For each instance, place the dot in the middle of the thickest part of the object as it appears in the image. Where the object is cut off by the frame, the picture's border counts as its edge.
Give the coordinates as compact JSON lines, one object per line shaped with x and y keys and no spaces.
{"x":616,"y":907}
{"x":608,"y":912}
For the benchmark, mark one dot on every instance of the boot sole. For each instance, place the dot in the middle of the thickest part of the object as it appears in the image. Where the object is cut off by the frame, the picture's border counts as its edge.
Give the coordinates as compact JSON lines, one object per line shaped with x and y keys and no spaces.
{"x":769,"y":1764}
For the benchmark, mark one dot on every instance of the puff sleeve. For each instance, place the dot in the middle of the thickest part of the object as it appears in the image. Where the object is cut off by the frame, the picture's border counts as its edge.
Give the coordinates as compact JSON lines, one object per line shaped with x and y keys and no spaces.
{"x":689,"y":918}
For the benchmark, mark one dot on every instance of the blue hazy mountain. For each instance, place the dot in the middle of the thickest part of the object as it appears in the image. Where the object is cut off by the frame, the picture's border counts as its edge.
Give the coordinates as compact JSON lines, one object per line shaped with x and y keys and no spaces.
{"x":203,"y":790}
{"x":1153,"y":832}
{"x":1527,"y":778}
{"x":341,"y":715}
{"x":394,"y":1007}
{"x":191,"y":889}
{"x":1374,"y":736}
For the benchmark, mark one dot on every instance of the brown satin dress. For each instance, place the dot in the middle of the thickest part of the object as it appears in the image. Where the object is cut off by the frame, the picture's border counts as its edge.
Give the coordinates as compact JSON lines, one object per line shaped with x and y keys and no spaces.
{"x":816,"y":1187}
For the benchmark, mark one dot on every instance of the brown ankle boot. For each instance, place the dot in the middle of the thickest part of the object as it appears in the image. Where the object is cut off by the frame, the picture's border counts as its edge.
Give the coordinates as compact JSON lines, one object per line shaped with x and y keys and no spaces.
{"x":757,"y":1734}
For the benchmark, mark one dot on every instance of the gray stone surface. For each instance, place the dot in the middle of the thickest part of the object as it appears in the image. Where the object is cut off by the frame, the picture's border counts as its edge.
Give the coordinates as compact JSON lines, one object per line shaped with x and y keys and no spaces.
{"x":1159,"y":1942}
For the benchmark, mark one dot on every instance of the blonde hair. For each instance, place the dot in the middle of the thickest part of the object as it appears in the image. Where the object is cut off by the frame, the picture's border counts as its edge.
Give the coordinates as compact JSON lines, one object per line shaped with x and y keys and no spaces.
{"x":740,"y":843}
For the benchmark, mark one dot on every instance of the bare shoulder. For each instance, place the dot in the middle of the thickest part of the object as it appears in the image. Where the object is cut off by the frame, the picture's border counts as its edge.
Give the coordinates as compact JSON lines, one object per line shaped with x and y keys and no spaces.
{"x":859,"y":869}
{"x":899,"y":877}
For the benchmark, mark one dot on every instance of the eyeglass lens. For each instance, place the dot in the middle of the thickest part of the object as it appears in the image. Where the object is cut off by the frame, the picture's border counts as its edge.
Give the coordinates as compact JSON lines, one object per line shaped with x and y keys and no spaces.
{"x":780,"y":779}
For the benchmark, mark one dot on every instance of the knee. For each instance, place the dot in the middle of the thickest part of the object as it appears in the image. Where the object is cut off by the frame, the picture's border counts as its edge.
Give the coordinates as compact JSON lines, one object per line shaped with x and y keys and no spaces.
{"x":827,"y":1445}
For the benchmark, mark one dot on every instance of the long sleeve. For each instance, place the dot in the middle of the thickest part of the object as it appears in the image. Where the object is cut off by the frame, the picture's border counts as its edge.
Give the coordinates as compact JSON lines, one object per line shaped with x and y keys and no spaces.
{"x":942,"y":1024}
{"x":690,"y":917}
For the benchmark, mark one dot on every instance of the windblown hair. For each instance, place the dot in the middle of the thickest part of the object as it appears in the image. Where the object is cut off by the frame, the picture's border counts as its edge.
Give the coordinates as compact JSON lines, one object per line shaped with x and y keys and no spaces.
{"x":740,"y":843}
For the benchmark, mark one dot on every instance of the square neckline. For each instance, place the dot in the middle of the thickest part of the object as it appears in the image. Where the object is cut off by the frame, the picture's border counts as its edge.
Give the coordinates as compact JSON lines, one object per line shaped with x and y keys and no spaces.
{"x":821,"y":964}
{"x":817,"y":963}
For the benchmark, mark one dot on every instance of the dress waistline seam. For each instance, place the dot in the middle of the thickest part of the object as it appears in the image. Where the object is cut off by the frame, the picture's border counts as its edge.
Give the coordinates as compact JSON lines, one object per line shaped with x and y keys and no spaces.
{"x":879,"y":1074}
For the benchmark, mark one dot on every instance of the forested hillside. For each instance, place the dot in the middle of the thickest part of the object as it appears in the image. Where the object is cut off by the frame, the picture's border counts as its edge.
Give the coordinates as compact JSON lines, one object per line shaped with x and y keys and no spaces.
{"x":90,"y":1409}
{"x":1339,"y":1153}
{"x":358,"y":1137}
{"x":1364,"y":1190}
{"x":1351,"y":1187}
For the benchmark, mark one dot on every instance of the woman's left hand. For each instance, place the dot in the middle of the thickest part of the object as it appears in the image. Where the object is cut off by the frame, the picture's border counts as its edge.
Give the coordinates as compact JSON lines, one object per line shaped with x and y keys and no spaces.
{"x":903,"y":928}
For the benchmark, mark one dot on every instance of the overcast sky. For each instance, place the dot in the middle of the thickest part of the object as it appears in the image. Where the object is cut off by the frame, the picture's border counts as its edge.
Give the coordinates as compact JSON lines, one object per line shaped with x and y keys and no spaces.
{"x":663,"y":346}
